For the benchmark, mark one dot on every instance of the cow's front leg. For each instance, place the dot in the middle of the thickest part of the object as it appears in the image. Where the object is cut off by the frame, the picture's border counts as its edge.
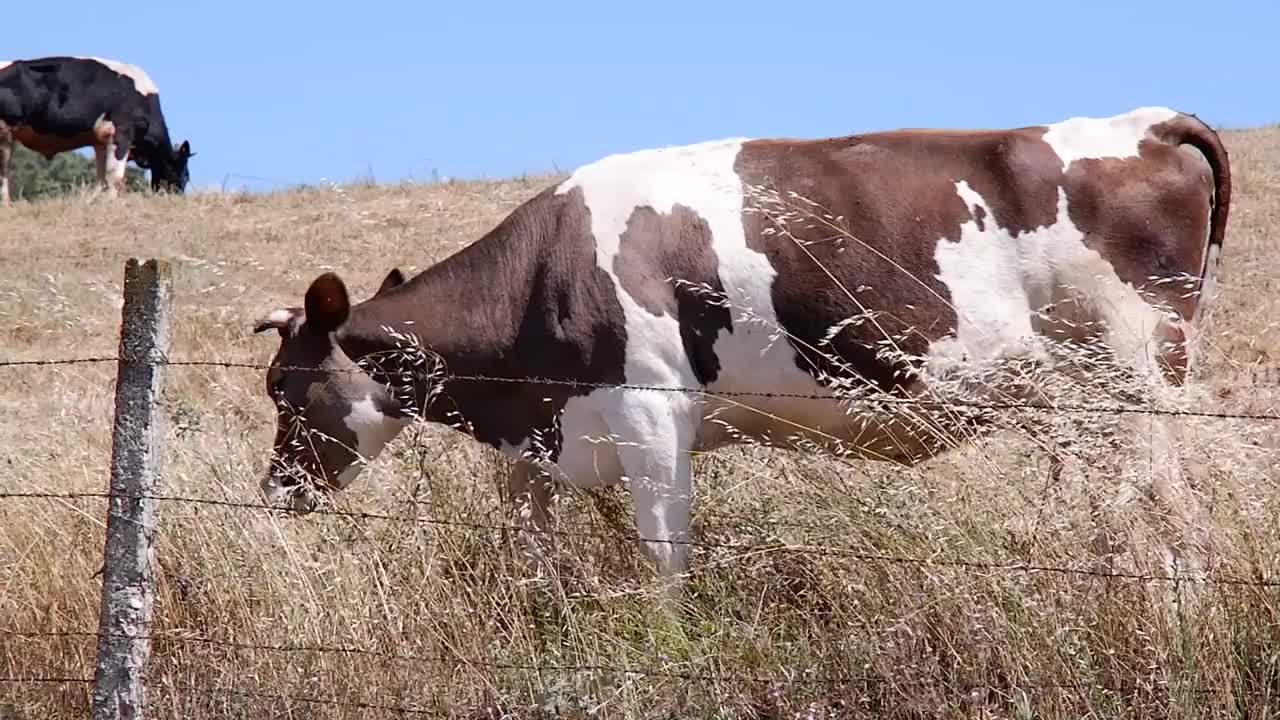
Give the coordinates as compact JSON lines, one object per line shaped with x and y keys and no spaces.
{"x":654,"y":436}
{"x":529,"y":494}
{"x":117,"y":166}
{"x":1173,"y":501}
{"x":111,"y":156}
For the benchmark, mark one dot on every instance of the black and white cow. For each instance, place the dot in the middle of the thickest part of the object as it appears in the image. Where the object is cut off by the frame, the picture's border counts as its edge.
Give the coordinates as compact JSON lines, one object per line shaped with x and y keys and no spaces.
{"x":55,"y":104}
{"x":788,"y":267}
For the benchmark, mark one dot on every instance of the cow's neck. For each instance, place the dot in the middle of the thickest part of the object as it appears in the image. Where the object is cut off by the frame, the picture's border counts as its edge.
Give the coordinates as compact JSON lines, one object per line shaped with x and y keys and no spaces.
{"x":465,"y":310}
{"x":154,"y":143}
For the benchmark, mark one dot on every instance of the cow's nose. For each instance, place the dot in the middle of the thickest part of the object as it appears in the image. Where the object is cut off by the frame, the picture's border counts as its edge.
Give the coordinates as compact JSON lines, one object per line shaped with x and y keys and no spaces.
{"x":303,"y":503}
{"x":277,"y":488}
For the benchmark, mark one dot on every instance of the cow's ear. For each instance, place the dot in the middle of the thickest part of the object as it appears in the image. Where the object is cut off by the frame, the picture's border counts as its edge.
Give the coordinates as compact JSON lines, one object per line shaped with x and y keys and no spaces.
{"x":394,"y":278}
{"x":327,"y":303}
{"x":281,"y":319}
{"x":184,"y":150}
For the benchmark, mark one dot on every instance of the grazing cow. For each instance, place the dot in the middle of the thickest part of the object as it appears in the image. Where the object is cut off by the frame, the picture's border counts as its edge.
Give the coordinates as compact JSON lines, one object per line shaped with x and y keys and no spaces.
{"x":884,"y":263}
{"x":55,"y":104}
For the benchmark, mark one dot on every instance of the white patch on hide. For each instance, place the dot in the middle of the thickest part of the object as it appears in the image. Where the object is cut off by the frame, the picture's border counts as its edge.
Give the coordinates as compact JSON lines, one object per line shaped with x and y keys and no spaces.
{"x":699,"y":177}
{"x":1084,"y":138}
{"x":140,"y":79}
{"x":997,"y":281}
{"x":281,"y":318}
{"x":373,"y":429}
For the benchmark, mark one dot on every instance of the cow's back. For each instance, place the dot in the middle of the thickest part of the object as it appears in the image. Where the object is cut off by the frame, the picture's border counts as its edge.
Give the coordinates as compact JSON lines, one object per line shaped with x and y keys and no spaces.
{"x":65,"y":95}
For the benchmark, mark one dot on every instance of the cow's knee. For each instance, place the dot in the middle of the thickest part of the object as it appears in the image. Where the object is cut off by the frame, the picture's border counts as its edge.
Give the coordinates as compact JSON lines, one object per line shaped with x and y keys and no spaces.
{"x":104,"y":132}
{"x":529,"y":492}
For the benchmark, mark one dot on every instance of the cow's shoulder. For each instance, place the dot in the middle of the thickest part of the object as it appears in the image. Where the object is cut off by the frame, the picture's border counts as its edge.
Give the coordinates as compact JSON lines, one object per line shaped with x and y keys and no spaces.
{"x":668,"y":192}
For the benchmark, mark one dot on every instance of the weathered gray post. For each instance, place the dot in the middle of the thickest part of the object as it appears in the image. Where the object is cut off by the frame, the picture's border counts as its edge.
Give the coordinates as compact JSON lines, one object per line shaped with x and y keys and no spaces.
{"x":137,"y":459}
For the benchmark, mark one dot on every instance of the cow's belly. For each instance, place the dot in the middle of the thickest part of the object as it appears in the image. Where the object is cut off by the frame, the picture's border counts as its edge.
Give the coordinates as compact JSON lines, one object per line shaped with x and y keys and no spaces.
{"x":762,"y":396}
{"x":50,"y":144}
{"x":47,"y":144}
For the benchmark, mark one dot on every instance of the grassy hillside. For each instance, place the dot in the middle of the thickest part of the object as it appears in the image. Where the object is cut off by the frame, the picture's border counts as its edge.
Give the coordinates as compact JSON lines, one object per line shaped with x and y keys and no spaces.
{"x":426,"y":616}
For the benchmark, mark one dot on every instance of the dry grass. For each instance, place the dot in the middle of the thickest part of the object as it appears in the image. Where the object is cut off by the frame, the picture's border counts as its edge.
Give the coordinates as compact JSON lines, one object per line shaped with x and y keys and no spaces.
{"x":450,"y":618}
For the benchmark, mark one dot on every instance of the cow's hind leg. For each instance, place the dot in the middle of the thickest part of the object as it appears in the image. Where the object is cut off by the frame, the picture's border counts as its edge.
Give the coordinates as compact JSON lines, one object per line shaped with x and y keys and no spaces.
{"x":6,"y":154}
{"x":100,"y":153}
{"x":1139,"y":490}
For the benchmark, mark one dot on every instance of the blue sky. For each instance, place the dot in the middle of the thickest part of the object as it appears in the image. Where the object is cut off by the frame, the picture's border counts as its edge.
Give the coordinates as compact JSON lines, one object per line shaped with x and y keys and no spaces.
{"x":275,"y":93}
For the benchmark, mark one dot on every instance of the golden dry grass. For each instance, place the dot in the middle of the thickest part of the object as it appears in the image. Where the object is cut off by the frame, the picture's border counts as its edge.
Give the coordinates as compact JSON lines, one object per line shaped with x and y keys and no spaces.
{"x":445,"y":617}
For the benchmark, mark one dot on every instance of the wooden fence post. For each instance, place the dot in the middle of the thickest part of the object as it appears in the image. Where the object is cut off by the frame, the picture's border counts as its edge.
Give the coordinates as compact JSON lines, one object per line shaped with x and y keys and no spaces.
{"x":137,"y":460}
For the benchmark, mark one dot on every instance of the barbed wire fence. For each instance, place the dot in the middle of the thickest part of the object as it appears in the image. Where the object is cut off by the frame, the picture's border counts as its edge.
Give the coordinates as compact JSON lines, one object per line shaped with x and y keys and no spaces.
{"x":124,"y":637}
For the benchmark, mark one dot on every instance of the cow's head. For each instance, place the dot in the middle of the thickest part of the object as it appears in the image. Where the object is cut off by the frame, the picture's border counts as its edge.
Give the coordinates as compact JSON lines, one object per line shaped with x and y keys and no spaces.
{"x":169,"y":168}
{"x":332,"y":416}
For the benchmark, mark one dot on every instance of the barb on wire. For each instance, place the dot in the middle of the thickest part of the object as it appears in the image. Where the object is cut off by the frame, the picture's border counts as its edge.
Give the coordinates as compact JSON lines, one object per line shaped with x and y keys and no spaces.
{"x":637,"y":387}
{"x":1010,"y":566}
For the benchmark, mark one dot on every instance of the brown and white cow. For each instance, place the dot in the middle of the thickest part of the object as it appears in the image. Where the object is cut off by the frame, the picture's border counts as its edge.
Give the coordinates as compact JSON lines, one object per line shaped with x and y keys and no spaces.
{"x":786,"y":267}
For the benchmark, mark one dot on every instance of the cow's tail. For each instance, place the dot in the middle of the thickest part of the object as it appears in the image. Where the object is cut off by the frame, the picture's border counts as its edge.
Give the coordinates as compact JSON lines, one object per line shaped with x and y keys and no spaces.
{"x":1187,"y":129}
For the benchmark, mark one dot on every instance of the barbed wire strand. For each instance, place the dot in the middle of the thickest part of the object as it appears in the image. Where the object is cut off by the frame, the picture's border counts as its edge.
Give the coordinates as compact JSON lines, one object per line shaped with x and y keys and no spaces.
{"x":404,"y":710}
{"x":584,"y":384}
{"x":558,"y":668}
{"x":305,"y":699}
{"x":283,"y":697}
{"x":46,"y":680}
{"x":587,"y":668}
{"x":809,"y":548}
{"x":454,"y":661}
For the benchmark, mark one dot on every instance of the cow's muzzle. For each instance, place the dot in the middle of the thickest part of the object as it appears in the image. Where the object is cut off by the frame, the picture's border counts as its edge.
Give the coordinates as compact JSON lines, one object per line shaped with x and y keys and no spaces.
{"x":285,"y":491}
